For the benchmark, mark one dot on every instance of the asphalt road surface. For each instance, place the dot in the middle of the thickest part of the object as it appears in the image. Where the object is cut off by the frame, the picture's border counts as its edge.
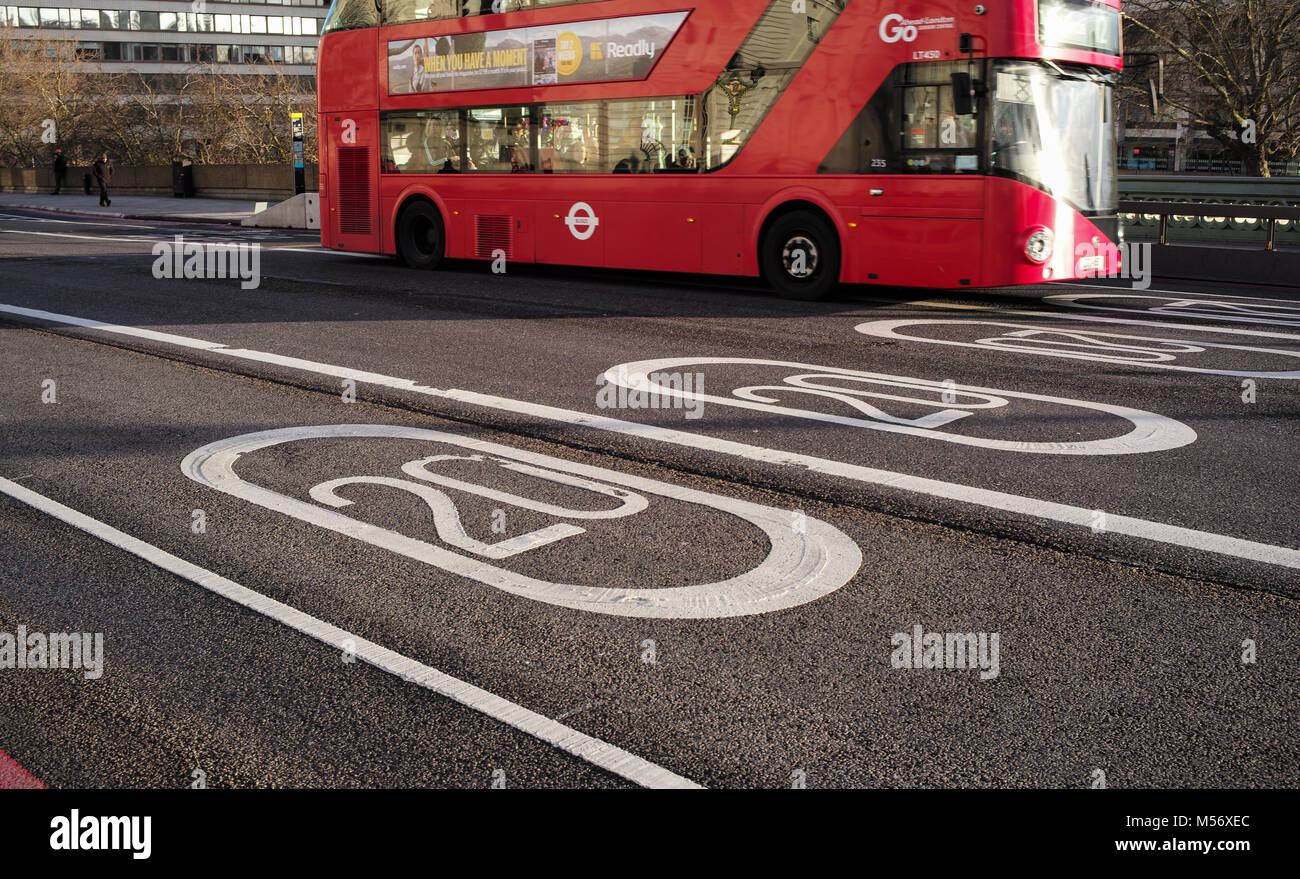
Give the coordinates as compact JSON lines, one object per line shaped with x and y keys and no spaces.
{"x":362,"y":526}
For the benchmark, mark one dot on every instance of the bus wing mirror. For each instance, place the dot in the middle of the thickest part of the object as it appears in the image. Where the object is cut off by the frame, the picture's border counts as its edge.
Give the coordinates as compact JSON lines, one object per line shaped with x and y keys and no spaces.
{"x":962,"y":104}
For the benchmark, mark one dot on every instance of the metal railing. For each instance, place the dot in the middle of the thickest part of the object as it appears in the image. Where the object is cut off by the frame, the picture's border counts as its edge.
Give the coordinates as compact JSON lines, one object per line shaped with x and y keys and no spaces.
{"x":1133,"y":212}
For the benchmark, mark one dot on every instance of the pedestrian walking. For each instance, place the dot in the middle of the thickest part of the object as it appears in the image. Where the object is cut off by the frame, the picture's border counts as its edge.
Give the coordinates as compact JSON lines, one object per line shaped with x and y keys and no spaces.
{"x":103,"y":171}
{"x":60,"y":171}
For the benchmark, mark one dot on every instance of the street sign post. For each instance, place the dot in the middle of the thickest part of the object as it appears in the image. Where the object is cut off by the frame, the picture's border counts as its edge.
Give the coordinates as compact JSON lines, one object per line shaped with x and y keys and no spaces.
{"x":299,"y":174}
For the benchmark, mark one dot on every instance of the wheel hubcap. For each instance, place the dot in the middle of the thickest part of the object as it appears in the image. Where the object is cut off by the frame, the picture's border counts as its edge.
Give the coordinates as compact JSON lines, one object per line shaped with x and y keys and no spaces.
{"x":800,"y":257}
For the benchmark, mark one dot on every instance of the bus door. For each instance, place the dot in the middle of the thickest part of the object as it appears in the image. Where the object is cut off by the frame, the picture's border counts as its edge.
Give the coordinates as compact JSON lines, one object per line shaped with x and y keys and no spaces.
{"x":353,"y":197}
{"x":922,"y":231}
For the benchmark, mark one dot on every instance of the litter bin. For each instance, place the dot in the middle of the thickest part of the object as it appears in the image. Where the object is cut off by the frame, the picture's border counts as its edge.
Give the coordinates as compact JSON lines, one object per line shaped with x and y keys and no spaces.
{"x":182,"y":180}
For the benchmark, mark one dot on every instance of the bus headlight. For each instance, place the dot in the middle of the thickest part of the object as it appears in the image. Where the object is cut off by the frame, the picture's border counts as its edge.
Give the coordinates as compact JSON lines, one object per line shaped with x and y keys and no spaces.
{"x":1038,"y":245}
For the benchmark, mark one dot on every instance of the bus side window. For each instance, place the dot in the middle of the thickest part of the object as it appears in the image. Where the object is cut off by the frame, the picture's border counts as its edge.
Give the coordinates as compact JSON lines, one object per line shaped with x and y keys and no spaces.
{"x":499,"y":140}
{"x":909,"y":126}
{"x":870,"y":145}
{"x":424,"y":142}
{"x":655,"y":135}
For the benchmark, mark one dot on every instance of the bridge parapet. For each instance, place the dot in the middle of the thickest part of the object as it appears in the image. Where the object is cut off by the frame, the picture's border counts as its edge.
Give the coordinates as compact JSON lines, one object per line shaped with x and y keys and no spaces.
{"x":1213,"y":212}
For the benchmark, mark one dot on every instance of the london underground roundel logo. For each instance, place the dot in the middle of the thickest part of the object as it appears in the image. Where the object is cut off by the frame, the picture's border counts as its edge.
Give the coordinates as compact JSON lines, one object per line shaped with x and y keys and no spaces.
{"x":582,"y":221}
{"x":893,"y":27}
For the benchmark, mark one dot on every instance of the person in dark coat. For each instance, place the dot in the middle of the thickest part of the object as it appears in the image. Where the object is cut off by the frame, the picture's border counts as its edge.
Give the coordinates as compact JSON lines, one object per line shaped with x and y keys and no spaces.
{"x":60,"y":171}
{"x":103,"y":171}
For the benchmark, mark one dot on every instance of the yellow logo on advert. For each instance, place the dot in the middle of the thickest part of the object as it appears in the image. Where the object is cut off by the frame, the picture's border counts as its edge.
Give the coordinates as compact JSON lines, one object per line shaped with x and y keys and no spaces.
{"x":568,"y":53}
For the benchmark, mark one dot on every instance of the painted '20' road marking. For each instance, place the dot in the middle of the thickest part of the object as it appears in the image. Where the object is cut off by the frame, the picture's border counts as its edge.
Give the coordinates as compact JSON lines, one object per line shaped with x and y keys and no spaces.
{"x":807,"y":558}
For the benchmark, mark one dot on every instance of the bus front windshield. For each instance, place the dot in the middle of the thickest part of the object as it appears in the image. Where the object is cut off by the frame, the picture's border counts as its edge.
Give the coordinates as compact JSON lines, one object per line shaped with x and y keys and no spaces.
{"x":1054,"y":129}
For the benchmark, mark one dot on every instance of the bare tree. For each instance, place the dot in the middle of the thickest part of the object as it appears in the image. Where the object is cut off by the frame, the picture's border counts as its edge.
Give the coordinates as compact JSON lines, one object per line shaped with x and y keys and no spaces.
{"x":45,"y":104}
{"x":210,"y":114}
{"x":1230,"y":68}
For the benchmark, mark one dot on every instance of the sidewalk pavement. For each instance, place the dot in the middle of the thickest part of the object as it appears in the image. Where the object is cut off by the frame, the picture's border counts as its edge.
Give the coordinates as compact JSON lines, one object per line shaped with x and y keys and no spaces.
{"x":135,"y":207}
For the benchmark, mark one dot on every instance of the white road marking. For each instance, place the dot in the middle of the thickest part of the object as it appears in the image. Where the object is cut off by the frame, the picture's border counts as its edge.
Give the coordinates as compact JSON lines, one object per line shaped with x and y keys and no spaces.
{"x":1101,"y":319}
{"x":1195,"y":307}
{"x":1151,"y":352}
{"x":326,"y":250}
{"x":151,"y":240}
{"x":1159,"y":532}
{"x":1149,"y":433}
{"x":81,"y":222}
{"x":1170,"y":292}
{"x":71,"y":235}
{"x":801,"y":566}
{"x":580,"y":745}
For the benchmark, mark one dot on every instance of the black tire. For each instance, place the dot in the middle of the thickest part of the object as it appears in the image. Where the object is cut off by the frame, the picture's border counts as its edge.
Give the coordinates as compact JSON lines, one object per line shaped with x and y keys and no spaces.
{"x":421,"y":239}
{"x":800,"y":256}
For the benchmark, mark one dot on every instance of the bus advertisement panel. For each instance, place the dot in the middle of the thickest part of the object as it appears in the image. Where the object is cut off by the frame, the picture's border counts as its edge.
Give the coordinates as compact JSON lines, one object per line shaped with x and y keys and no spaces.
{"x":603,"y":50}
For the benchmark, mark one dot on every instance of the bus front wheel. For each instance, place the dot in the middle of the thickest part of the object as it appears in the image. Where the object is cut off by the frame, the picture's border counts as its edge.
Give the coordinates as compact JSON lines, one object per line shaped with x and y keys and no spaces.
{"x":800,"y":256}
{"x":420,"y":240}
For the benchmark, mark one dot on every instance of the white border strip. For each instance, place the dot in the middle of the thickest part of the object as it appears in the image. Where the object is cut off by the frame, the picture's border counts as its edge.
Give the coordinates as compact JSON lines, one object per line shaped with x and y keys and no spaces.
{"x":1012,"y":503}
{"x":580,"y":745}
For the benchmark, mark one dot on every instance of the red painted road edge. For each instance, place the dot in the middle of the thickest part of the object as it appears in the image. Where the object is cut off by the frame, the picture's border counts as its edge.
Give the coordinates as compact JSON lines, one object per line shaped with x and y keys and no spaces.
{"x":15,"y":777}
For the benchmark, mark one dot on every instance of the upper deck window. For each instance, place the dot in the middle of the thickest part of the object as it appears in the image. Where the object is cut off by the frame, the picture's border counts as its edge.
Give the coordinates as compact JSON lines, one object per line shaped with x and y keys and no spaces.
{"x":346,"y":15}
{"x":349,"y":14}
{"x":1079,"y":24}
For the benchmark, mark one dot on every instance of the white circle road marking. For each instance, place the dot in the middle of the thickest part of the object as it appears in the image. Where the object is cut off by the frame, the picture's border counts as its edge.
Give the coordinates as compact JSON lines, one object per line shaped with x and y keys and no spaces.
{"x":1033,"y":340}
{"x":581,"y":215}
{"x":1100,"y":319}
{"x":1191,"y":306}
{"x":1150,"y":432}
{"x":800,"y":566}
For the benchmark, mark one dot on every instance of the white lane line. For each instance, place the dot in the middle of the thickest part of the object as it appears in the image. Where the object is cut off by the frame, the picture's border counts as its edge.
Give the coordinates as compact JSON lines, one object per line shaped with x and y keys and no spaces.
{"x":325,"y":250}
{"x":70,"y":235}
{"x":85,"y":222}
{"x":581,"y":745}
{"x":168,"y":238}
{"x":1097,"y":318}
{"x":1026,"y":506}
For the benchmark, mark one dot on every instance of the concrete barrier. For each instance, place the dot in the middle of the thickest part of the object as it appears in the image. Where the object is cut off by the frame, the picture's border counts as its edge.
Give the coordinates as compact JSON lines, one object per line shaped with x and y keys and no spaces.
{"x":270,"y":182}
{"x":300,"y":212}
{"x":1190,"y":262}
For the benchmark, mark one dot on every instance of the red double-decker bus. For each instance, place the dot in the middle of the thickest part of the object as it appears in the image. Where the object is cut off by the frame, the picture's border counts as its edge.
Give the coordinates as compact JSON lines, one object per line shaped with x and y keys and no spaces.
{"x":929,"y":143}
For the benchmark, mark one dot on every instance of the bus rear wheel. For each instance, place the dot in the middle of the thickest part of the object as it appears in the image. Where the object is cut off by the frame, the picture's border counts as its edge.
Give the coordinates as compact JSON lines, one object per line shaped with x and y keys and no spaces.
{"x":800,"y":256}
{"x":420,"y":239}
